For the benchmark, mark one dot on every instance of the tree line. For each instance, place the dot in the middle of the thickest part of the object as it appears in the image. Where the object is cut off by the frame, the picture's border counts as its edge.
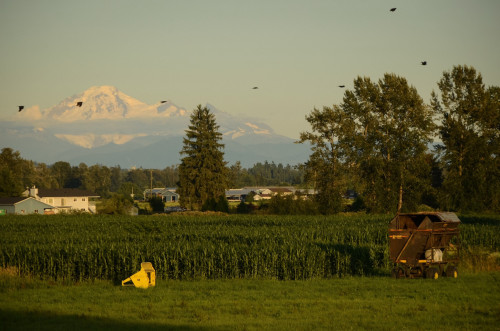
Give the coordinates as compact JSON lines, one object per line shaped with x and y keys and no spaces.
{"x":17,"y":173}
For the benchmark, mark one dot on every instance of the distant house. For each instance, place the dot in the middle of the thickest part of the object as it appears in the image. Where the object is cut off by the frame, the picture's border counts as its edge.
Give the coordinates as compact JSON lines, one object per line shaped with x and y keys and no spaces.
{"x":166,"y":194}
{"x":260,"y":193}
{"x":281,"y":191}
{"x":237,"y":194}
{"x":24,"y":206}
{"x":66,"y":199}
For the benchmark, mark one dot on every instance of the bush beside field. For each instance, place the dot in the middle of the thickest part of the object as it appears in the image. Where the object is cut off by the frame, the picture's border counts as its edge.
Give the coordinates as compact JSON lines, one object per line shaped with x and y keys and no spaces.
{"x":218,"y":246}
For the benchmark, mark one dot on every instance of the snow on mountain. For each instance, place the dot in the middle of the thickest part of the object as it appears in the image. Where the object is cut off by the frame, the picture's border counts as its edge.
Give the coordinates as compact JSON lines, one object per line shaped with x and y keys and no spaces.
{"x":107,"y":102}
{"x":113,"y":128}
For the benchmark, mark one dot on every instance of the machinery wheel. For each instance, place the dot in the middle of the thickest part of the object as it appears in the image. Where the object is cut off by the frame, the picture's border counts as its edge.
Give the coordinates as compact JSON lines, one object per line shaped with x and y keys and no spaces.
{"x":398,"y":273}
{"x":432,"y":273}
{"x":451,"y":271}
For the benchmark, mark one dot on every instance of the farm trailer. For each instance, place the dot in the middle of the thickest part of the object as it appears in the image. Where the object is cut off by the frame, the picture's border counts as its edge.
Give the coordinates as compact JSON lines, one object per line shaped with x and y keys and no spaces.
{"x":424,"y":244}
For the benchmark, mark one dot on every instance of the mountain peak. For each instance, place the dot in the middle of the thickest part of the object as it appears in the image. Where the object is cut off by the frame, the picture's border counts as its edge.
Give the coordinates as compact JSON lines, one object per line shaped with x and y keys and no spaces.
{"x":107,"y":103}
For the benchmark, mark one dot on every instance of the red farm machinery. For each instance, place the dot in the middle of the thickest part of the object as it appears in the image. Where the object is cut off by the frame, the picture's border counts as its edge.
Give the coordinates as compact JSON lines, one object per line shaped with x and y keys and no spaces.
{"x":424,"y":244}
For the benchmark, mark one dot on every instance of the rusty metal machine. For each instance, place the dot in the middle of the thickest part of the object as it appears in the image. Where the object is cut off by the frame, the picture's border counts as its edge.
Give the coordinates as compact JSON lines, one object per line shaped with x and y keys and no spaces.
{"x":424,"y":244}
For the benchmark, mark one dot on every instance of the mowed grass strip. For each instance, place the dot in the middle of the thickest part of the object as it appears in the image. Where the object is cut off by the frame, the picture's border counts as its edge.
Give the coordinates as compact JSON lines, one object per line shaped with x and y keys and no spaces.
{"x":470,"y":302}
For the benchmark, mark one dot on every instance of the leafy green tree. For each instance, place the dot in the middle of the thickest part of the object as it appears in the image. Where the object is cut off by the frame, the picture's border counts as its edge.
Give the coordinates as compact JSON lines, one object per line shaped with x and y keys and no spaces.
{"x":379,"y":134}
{"x":222,"y":204}
{"x":326,"y":167}
{"x":393,"y":127}
{"x":117,"y":204}
{"x":15,"y":173}
{"x":157,"y":205}
{"x":98,"y":179}
{"x":202,"y":172}
{"x":61,"y":171}
{"x":469,"y":132}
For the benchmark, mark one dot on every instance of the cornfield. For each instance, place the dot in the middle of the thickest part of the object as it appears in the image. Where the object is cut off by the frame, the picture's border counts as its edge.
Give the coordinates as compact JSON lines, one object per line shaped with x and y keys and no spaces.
{"x":87,"y":247}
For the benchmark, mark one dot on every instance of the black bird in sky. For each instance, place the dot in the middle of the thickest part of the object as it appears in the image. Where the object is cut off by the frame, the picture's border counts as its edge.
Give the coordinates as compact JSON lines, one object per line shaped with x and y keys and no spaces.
{"x":341,"y":86}
{"x":163,"y":101}
{"x":79,"y":104}
{"x":255,"y":88}
{"x":393,"y":9}
{"x":21,"y":108}
{"x":424,"y":63}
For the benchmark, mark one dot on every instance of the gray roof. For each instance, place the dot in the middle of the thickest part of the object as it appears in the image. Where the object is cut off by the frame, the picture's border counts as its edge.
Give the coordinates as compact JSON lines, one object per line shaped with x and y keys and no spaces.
{"x":65,"y":192}
{"x":240,"y":191}
{"x":442,"y":216}
{"x":10,"y":201}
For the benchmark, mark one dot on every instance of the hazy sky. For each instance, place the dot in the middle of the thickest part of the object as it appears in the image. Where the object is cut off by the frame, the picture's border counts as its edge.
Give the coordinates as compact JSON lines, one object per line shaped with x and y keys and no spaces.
{"x":194,"y":52}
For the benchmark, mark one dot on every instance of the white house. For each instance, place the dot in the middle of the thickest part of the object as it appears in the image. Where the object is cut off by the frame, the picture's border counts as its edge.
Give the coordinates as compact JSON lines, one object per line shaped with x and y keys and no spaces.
{"x":65,"y":199}
{"x":23,"y":206}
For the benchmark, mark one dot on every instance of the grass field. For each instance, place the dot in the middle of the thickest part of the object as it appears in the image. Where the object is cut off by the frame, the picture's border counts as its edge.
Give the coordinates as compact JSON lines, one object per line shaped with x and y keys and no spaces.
{"x":471,"y":302}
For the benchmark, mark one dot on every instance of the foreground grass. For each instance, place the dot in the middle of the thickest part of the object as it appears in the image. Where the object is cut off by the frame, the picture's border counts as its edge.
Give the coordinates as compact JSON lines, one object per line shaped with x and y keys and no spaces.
{"x":471,"y":302}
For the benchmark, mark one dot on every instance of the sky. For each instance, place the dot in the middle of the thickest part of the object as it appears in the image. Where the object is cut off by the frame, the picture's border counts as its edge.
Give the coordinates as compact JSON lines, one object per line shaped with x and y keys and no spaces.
{"x":195,"y":52}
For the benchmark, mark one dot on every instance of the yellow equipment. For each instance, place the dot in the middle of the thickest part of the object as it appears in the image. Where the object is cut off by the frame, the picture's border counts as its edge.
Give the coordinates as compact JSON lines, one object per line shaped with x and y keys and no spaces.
{"x":144,"y":278}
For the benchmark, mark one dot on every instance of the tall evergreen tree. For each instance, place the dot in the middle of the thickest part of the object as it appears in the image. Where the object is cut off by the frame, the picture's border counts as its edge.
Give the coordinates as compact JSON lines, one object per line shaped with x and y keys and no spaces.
{"x":469,"y":132}
{"x":202,"y":172}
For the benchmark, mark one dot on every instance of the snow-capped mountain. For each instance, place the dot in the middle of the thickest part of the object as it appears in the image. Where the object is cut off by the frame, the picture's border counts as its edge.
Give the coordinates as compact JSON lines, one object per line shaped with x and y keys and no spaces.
{"x":104,"y":125}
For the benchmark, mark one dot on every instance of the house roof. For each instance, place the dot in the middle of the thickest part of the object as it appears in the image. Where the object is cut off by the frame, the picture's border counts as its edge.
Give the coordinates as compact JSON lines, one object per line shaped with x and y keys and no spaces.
{"x":11,"y":200}
{"x":168,"y":192}
{"x":241,"y":191}
{"x":65,"y":192}
{"x":280,"y":190}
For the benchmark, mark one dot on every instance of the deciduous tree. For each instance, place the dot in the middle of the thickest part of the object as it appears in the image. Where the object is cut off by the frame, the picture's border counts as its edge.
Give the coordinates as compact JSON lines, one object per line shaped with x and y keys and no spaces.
{"x":469,"y":133}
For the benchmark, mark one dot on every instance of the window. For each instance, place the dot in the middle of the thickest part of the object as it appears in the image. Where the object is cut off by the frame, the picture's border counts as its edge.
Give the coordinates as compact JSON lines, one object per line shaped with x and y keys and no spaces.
{"x":51,"y":200}
{"x":36,"y":211}
{"x":75,"y":199}
{"x":83,"y":199}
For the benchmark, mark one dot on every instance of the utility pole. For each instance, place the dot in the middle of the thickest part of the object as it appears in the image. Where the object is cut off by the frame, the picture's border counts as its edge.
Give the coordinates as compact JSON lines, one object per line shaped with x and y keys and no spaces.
{"x":151,"y":172}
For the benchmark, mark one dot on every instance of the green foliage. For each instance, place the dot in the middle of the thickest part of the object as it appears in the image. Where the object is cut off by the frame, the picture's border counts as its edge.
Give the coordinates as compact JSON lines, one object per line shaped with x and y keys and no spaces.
{"x":117,"y":204}
{"x":326,"y":168}
{"x":392,"y":127}
{"x":243,"y":208}
{"x":202,"y":172}
{"x":221,"y":204}
{"x":157,"y":205}
{"x":292,"y":205}
{"x":469,"y":131}
{"x":13,"y":173}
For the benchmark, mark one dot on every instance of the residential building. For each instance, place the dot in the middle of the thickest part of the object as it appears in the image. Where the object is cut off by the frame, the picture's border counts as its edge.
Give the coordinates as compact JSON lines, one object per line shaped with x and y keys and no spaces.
{"x":167,"y":194}
{"x":65,"y":199}
{"x":24,"y":206}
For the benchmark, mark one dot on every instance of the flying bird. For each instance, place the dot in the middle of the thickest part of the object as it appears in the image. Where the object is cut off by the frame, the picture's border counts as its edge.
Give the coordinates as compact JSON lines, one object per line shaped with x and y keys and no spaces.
{"x":79,"y":104}
{"x":21,"y":108}
{"x":424,"y":63}
{"x":341,"y":86}
{"x":255,"y":88}
{"x":393,"y":9}
{"x":163,"y":101}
